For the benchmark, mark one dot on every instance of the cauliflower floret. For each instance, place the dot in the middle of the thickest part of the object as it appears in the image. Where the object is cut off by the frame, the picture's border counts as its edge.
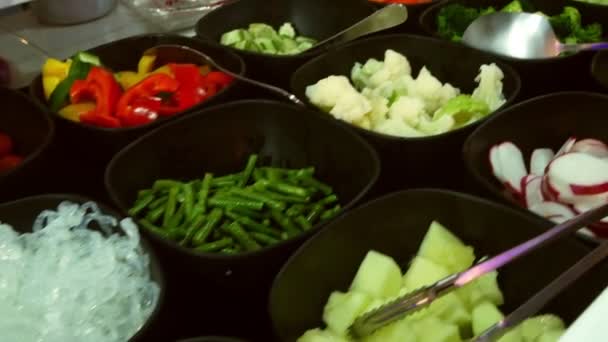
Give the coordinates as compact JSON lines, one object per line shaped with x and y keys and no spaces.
{"x":379,"y":110}
{"x":397,"y":127}
{"x":490,"y":86}
{"x":351,"y":107}
{"x":364,"y":123}
{"x":408,"y":109}
{"x":441,"y":125}
{"x":395,"y":65}
{"x":403,"y":86}
{"x":447,"y":93}
{"x":327,"y":92}
{"x":428,"y":88}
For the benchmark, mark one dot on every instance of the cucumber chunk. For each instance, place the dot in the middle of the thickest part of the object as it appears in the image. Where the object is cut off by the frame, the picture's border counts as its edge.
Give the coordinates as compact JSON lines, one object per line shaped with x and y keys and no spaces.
{"x":485,"y":315}
{"x":342,"y":309}
{"x":444,"y":248}
{"x":378,"y":276}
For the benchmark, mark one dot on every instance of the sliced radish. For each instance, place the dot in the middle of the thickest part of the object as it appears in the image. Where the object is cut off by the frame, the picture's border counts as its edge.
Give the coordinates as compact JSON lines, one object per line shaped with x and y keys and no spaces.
{"x":593,"y":147}
{"x":578,"y":174}
{"x":553,"y":210}
{"x":495,"y":163}
{"x":600,"y":229}
{"x":582,"y":207}
{"x":512,"y":165}
{"x":549,"y":193}
{"x":540,"y":159}
{"x":566,"y":147}
{"x":531,"y":186}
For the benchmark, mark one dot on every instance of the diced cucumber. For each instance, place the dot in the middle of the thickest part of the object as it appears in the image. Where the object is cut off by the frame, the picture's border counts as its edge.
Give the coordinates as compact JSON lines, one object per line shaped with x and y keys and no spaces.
{"x":287,"y":30}
{"x":483,"y":289}
{"x":304,"y":46}
{"x":451,"y":309}
{"x":431,"y":329}
{"x":260,"y":30}
{"x":444,"y":248}
{"x":512,"y":336}
{"x":485,"y":315}
{"x":232,"y":37}
{"x":342,"y":309}
{"x":302,"y":39}
{"x":551,"y":336}
{"x":401,"y":331}
{"x":423,"y":272}
{"x":533,"y":328}
{"x":265,"y":45}
{"x":378,"y":276}
{"x":318,"y":335}
{"x":242,"y":45}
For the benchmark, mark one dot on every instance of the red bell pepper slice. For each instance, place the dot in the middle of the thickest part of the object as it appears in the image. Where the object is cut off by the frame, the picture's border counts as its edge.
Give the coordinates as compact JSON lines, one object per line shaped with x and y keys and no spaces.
{"x":219,"y":78}
{"x":142,"y":103}
{"x":100,"y":87}
{"x":191,"y":88}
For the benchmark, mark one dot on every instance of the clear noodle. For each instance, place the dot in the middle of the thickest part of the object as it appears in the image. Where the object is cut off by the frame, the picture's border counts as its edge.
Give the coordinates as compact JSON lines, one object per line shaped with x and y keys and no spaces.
{"x":74,"y":278}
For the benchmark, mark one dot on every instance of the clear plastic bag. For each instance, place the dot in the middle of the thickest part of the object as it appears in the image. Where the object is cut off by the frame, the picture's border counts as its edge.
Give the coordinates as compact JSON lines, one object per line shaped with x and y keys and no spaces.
{"x":174,"y":15}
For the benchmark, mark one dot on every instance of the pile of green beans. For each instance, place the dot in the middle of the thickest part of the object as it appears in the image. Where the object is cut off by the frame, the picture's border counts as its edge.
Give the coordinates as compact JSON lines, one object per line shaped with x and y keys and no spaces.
{"x":244,"y":211}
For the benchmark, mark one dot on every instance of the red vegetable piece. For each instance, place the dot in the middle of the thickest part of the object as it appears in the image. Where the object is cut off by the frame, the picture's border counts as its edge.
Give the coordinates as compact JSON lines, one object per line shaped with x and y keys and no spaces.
{"x":9,"y":162}
{"x":219,"y":78}
{"x":104,"y":121}
{"x":142,"y":103}
{"x":101,"y":87}
{"x":6,"y":144}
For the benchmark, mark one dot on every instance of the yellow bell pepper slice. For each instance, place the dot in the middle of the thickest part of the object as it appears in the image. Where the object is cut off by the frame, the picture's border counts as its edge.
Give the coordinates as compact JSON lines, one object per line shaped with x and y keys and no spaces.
{"x":72,"y":112}
{"x":55,"y":67}
{"x":164,"y":69}
{"x":127,"y":79}
{"x":146,"y":64}
{"x":49,"y":83}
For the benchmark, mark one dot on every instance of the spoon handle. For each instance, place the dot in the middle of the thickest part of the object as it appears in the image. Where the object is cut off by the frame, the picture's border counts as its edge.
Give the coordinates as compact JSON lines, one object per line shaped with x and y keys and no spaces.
{"x":583,"y":47}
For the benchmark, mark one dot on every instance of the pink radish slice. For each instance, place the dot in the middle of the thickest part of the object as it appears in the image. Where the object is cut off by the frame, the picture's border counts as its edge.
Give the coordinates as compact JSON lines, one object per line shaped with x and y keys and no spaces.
{"x":566,"y":147}
{"x":553,"y":211}
{"x":541,"y":157}
{"x":575,"y":174}
{"x":495,"y":163}
{"x":531,"y":186}
{"x":512,"y":165}
{"x":582,"y":207}
{"x":593,"y":147}
{"x":549,"y":193}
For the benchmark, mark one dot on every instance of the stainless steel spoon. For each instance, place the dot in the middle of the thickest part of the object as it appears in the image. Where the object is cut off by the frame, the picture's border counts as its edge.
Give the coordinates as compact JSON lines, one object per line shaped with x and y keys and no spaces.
{"x":520,"y":35}
{"x":183,"y":54}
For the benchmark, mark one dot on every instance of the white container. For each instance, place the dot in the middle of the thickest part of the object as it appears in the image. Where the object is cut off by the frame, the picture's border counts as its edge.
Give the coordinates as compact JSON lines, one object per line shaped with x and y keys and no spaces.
{"x":67,"y":12}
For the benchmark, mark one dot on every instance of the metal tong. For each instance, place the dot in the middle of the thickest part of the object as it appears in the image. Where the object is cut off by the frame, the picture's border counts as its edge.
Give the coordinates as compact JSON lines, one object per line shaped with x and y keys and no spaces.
{"x":423,"y":297}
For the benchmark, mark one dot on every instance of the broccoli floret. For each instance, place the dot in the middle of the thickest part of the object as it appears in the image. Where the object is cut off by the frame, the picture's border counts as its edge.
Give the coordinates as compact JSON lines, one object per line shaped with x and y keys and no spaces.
{"x":454,"y":19}
{"x":589,"y":34}
{"x":569,"y":28}
{"x":488,"y":10}
{"x":513,"y":6}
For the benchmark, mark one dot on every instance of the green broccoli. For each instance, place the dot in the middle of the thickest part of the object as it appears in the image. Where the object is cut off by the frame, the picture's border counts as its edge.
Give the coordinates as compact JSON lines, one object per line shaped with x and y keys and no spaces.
{"x":453,"y":20}
{"x":513,"y":6}
{"x":569,"y":28}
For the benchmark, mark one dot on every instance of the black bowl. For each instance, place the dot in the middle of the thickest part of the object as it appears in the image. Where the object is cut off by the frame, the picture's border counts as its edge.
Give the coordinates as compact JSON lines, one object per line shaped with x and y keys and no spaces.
{"x":395,"y":225}
{"x":599,"y":69}
{"x":95,"y":146}
{"x":414,"y":11}
{"x":22,"y":213}
{"x":412,"y":162}
{"x":219,"y":140}
{"x":539,"y":76}
{"x":32,"y":132}
{"x":306,"y":16}
{"x":546,"y":121}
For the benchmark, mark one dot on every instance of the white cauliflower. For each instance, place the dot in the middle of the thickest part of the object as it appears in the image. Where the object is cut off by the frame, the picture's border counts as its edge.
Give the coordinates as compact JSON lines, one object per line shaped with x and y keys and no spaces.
{"x":428,"y":88}
{"x":397,"y":127}
{"x":441,"y":125}
{"x":403,"y":85}
{"x":447,"y":93}
{"x":490,"y":86}
{"x":351,"y":106}
{"x":327,"y":92}
{"x":408,"y":109}
{"x":395,"y":65}
{"x":379,"y":110}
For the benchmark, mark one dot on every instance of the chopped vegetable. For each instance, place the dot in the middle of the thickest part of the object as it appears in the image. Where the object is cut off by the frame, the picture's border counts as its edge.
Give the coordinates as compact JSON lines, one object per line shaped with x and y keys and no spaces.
{"x":384,"y":97}
{"x":453,"y":20}
{"x":247,"y":211}
{"x":71,"y":87}
{"x":454,"y":317}
{"x":264,"y":39}
{"x":8,"y":159}
{"x":559,"y":185}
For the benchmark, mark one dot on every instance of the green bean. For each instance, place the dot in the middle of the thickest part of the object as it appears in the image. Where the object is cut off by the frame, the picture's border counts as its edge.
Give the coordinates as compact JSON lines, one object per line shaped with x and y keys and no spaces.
{"x":314,"y":183}
{"x":156,"y":230}
{"x":177,"y":218}
{"x":252,"y":225}
{"x":223,"y":184}
{"x":234,"y":177}
{"x":213,"y":220}
{"x":215,"y":245}
{"x":164,"y":184}
{"x":248,"y":170}
{"x":159,"y":202}
{"x":201,"y":203}
{"x":314,"y":213}
{"x":303,"y":222}
{"x":229,"y":250}
{"x":283,"y":198}
{"x":274,"y":174}
{"x":249,"y":194}
{"x":239,"y":234}
{"x":227,"y":202}
{"x":284,"y":222}
{"x":264,"y":239}
{"x":170,"y":205}
{"x":295,"y":210}
{"x":258,"y":174}
{"x":141,"y":204}
{"x":194,"y":226}
{"x":154,"y":215}
{"x":188,"y":199}
{"x":328,"y":200}
{"x":289,"y":189}
{"x":331,"y":213}
{"x":258,"y":215}
{"x":301,"y":173}
{"x":144,"y":193}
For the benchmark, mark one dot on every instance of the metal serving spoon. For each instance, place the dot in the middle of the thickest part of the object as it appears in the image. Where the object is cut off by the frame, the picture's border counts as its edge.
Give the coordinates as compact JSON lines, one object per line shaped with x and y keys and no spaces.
{"x":423,"y":297}
{"x":520,"y":35}
{"x":384,"y":18}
